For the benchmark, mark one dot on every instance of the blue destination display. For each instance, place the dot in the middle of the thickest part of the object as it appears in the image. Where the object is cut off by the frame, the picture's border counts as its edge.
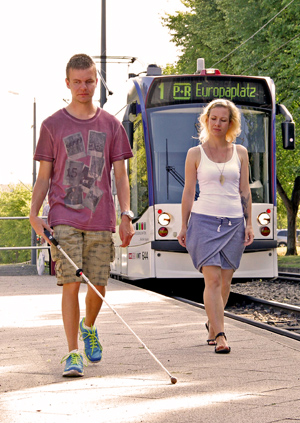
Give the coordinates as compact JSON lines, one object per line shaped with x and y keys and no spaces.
{"x":202,"y":89}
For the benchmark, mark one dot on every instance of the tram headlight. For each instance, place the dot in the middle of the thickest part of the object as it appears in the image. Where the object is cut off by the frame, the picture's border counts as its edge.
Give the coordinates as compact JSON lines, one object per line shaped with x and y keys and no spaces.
{"x":264,"y":218}
{"x":164,"y":219}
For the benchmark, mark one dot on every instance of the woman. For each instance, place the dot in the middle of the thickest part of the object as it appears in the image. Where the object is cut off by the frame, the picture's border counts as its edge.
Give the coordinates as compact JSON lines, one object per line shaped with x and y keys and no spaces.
{"x":217,"y":227}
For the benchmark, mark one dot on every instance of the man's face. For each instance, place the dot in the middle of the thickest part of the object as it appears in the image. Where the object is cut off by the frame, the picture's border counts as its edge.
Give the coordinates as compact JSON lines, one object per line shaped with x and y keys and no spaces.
{"x":82,"y":83}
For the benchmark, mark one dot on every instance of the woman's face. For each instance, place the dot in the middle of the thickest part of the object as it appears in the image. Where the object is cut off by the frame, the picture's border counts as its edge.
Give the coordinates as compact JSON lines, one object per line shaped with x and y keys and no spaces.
{"x":218,"y":121}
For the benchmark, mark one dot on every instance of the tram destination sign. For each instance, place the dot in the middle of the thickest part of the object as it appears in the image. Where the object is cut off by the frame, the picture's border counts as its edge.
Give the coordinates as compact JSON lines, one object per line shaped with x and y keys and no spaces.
{"x":203,"y":89}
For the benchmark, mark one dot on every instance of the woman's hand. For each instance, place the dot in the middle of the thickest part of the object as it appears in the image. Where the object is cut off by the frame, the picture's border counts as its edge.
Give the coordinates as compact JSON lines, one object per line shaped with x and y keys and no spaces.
{"x":182,"y":237}
{"x":249,"y":235}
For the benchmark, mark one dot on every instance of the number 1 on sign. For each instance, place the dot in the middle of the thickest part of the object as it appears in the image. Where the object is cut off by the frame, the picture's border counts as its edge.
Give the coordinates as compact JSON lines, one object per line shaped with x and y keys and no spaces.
{"x":162,"y":90}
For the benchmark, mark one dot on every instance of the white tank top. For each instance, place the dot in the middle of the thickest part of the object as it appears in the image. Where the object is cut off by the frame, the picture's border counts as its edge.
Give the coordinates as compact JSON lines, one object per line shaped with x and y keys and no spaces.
{"x":216,"y":199}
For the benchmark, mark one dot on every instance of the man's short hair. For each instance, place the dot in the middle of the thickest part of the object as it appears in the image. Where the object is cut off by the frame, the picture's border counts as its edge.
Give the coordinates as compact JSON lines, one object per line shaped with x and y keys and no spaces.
{"x":80,"y":61}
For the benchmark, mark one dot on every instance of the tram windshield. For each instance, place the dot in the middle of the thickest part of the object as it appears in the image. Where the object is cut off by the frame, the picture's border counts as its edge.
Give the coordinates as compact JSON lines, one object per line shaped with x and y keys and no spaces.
{"x":173,"y":130}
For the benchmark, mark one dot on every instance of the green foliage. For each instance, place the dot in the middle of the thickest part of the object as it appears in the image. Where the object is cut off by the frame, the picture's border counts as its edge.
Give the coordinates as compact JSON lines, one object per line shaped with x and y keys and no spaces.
{"x":170,"y":70}
{"x":247,"y":37}
{"x":13,"y":233}
{"x":138,"y":171}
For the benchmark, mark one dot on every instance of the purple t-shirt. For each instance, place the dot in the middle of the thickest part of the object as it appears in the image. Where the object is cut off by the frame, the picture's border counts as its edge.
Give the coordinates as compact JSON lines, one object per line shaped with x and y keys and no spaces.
{"x":82,"y":153}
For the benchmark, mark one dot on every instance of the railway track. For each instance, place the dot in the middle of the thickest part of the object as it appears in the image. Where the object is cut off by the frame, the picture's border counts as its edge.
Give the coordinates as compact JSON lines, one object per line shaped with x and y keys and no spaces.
{"x":289,"y":276}
{"x":283,"y":319}
{"x":277,"y":311}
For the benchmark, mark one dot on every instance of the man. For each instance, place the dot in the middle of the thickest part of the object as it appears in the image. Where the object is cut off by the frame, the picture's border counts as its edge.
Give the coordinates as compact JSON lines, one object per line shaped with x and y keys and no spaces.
{"x":77,"y":147}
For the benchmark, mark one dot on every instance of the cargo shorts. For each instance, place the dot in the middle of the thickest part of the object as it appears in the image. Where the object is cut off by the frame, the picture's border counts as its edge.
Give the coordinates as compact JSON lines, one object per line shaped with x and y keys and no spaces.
{"x":90,"y":251}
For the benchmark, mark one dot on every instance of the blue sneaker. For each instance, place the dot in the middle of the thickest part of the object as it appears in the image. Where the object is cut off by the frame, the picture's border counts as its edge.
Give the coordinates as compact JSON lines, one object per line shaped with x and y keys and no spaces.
{"x":92,"y":346}
{"x":74,"y":364}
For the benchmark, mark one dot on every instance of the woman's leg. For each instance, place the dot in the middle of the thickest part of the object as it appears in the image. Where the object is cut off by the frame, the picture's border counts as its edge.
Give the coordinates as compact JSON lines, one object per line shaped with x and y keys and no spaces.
{"x":214,"y":302}
{"x":227,"y":275}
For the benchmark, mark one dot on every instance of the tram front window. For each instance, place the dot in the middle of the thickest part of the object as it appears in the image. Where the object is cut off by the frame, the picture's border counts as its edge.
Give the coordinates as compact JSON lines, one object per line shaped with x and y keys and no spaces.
{"x":173,"y":130}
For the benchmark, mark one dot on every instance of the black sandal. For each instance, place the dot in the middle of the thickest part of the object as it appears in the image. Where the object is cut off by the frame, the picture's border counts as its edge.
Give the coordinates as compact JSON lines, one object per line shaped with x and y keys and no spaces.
{"x":209,"y":341}
{"x":225,"y":350}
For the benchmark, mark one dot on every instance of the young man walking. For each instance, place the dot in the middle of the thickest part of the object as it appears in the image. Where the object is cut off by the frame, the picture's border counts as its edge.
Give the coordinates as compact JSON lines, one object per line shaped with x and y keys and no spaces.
{"x":77,"y":148}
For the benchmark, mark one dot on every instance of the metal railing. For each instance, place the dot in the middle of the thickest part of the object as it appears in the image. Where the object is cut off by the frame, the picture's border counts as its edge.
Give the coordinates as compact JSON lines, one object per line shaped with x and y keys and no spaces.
{"x":33,"y":246}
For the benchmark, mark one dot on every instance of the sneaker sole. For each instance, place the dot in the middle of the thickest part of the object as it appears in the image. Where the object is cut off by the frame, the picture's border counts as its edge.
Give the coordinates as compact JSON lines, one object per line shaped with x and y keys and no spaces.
{"x":90,"y":361}
{"x":72,"y":373}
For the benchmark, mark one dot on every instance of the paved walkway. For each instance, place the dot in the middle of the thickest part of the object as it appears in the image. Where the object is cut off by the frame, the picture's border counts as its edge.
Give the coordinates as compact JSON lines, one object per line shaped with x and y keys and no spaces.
{"x":258,"y":382}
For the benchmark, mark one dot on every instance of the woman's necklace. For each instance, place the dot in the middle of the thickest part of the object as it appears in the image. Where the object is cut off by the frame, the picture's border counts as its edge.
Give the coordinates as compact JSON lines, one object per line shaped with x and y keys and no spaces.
{"x":222,"y":177}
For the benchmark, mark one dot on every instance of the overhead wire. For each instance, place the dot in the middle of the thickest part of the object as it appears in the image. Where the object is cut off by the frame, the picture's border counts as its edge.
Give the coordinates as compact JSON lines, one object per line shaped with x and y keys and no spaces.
{"x":273,"y":51}
{"x":252,"y":36}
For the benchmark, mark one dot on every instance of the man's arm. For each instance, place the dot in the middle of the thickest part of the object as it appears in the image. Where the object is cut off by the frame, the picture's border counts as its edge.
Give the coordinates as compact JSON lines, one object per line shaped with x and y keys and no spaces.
{"x":38,"y":196}
{"x":126,"y":230}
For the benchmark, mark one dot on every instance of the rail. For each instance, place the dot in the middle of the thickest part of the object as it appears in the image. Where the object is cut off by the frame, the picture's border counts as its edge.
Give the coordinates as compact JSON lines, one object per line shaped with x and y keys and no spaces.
{"x":33,"y":247}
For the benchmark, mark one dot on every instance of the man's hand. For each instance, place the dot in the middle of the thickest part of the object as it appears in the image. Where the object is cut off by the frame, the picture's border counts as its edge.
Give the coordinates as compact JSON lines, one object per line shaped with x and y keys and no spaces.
{"x":39,"y":225}
{"x":126,"y":231}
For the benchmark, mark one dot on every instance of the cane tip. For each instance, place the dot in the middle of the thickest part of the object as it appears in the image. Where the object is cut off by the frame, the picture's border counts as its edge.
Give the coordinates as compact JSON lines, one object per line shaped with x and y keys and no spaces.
{"x":173,"y":380}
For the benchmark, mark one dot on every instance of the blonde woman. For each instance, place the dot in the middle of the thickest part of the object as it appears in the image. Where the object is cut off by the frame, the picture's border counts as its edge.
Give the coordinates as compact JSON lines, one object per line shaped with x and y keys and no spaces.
{"x":217,"y":227}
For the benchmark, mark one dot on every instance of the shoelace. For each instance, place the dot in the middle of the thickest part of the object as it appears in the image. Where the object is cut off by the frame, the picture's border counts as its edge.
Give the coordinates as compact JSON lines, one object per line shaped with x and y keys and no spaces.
{"x":75,"y":358}
{"x":93,"y":340}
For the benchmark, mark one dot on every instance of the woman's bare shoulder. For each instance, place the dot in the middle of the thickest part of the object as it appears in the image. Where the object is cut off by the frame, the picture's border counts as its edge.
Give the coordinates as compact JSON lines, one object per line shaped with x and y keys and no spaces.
{"x":242,"y":152}
{"x":194,"y":155}
{"x":241,"y":149}
{"x":194,"y":151}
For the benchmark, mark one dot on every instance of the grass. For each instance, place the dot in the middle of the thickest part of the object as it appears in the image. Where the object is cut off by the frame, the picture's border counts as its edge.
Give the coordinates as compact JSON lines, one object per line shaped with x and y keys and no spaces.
{"x":288,"y":261}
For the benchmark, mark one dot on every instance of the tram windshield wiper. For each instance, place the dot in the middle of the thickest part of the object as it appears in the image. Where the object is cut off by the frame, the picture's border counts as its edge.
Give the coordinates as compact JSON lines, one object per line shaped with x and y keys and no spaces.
{"x":172,"y":171}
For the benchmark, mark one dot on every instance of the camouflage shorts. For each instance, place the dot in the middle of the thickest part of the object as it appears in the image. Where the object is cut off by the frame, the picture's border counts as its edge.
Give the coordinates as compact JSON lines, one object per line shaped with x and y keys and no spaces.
{"x":91,"y":251}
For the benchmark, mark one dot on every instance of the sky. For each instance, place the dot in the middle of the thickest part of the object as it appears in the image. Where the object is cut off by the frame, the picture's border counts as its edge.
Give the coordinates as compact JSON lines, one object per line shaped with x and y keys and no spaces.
{"x":37,"y":39}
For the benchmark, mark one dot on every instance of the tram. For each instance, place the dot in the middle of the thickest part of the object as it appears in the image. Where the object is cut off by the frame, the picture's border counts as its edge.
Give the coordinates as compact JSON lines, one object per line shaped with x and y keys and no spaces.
{"x":161,"y":120}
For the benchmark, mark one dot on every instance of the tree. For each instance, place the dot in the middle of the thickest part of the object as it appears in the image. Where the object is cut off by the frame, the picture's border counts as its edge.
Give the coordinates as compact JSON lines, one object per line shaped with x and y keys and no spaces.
{"x":226,"y":34}
{"x":15,"y":233}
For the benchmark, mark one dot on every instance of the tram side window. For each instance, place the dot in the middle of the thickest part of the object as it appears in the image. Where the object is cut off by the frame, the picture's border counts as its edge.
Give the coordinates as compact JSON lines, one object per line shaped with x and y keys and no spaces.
{"x":138,"y":178}
{"x":255,"y":137}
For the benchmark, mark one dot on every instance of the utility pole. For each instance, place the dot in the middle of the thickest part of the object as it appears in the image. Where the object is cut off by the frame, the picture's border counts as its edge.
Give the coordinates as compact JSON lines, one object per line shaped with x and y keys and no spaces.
{"x":33,"y":234}
{"x":103,"y":98}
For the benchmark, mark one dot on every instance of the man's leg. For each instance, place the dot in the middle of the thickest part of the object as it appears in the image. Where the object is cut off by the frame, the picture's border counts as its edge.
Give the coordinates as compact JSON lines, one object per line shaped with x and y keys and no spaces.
{"x":93,"y":304}
{"x":88,"y":331}
{"x":71,"y":313}
{"x":97,"y":254}
{"x":70,"y":239}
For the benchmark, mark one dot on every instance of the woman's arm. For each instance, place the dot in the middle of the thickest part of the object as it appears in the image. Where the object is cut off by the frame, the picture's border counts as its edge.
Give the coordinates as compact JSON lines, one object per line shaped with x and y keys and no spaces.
{"x":245,"y":193}
{"x":188,"y":194}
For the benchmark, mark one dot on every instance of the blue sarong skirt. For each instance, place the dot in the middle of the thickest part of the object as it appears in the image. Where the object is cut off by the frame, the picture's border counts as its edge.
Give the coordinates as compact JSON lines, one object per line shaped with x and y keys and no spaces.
{"x":215,"y":241}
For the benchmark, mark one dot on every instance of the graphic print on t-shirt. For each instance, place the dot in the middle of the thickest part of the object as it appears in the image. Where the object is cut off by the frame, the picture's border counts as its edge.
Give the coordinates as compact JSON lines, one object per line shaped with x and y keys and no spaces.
{"x":72,"y":172}
{"x":75,"y":146}
{"x":96,"y":167}
{"x":96,"y":143}
{"x":81,"y":179}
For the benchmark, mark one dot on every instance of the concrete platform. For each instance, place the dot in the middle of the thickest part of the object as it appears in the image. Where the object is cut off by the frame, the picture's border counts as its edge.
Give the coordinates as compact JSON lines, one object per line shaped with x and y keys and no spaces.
{"x":258,"y":382}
